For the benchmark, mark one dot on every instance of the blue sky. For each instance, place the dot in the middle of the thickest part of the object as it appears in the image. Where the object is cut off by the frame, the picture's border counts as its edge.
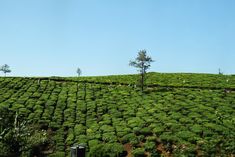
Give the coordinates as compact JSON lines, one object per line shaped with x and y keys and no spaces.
{"x":54,"y":37}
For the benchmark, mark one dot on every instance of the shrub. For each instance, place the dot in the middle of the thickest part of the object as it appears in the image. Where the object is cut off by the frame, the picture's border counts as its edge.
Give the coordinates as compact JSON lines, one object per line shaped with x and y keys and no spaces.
{"x":134,"y":142}
{"x":138,"y":152}
{"x":93,"y":143}
{"x":82,"y":139}
{"x":106,"y":150}
{"x":70,"y":138}
{"x":128,"y":138}
{"x":54,"y":126}
{"x":18,"y":138}
{"x":79,"y":129}
{"x":158,"y":130}
{"x":136,"y":130}
{"x":151,"y":138}
{"x":106,"y":128}
{"x":196,"y":128}
{"x":135,"y":122}
{"x":149,"y":146}
{"x":109,"y":137}
{"x":186,"y":135}
{"x":146,"y":131}
{"x":57,"y":154}
{"x":141,"y":137}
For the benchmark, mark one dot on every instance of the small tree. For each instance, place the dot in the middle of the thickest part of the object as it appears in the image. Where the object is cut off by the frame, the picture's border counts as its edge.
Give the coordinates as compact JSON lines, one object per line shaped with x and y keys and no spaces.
{"x":79,"y":71}
{"x":142,"y":63}
{"x":220,"y":72}
{"x":5,"y":69}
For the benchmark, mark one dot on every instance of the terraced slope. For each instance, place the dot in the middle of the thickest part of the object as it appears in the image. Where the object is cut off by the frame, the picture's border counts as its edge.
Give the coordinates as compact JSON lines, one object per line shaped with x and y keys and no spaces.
{"x":116,"y":117}
{"x":170,"y":79}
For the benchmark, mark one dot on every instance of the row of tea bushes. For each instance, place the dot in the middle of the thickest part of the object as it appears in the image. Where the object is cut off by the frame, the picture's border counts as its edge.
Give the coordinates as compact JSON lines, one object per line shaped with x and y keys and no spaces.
{"x":184,"y":121}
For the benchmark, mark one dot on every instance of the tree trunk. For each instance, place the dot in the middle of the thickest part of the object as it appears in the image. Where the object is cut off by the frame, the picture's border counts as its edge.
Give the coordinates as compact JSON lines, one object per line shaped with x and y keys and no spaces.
{"x":142,"y":76}
{"x":142,"y":81}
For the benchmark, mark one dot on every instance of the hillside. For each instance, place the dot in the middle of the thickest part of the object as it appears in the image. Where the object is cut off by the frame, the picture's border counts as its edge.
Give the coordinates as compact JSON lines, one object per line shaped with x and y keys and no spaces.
{"x":179,"y":114}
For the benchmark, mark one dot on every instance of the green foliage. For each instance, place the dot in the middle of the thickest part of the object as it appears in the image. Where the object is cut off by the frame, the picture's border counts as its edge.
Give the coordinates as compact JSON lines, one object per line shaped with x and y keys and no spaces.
{"x":129,"y":138}
{"x":158,"y":130}
{"x":106,"y":150}
{"x":138,"y":152}
{"x":18,"y":138}
{"x":5,"y":69}
{"x":151,"y":138}
{"x":146,"y":131}
{"x":109,"y":137}
{"x":57,"y":154}
{"x":186,"y":113}
{"x":150,"y":146}
{"x":93,"y":143}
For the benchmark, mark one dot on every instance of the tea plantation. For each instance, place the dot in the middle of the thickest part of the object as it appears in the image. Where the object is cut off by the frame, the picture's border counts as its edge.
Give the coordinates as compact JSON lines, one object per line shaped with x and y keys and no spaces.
{"x":177,"y":115}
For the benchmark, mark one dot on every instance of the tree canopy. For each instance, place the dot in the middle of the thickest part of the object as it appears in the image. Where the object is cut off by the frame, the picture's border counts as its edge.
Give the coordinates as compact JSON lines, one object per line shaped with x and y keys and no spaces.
{"x":5,"y":69}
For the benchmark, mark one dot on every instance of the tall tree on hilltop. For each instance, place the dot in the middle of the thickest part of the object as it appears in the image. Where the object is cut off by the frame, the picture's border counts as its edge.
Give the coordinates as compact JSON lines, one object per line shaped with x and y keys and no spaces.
{"x":79,"y":71}
{"x":142,"y":63}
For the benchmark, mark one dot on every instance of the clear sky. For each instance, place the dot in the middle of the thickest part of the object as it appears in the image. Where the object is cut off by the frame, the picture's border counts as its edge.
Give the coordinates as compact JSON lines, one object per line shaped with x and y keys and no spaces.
{"x":54,"y":37}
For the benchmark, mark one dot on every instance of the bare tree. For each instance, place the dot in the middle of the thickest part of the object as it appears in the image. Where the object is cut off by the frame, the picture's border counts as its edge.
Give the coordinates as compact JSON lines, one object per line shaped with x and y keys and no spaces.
{"x":5,"y":69}
{"x":142,"y":63}
{"x":79,"y":71}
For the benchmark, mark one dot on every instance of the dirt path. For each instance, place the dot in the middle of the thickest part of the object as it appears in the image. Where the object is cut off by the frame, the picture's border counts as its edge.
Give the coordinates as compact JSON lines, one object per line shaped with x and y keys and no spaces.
{"x":128,"y":148}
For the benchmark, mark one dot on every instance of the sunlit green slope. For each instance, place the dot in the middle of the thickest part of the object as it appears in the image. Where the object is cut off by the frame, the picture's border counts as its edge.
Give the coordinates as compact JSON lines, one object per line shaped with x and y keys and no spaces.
{"x":110,"y":112}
